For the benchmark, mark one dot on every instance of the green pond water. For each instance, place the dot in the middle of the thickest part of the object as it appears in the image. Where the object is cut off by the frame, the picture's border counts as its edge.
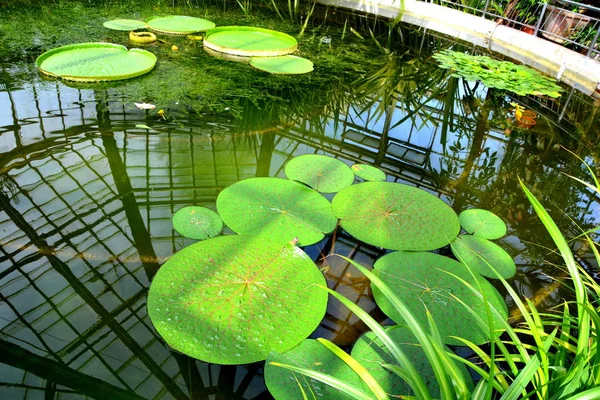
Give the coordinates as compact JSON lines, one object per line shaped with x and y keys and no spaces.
{"x":87,"y":197}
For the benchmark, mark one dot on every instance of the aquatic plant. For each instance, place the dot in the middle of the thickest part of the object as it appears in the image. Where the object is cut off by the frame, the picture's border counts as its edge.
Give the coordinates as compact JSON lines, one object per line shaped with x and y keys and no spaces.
{"x":250,"y":41}
{"x":197,"y":222}
{"x":368,"y":172}
{"x":125,"y":24}
{"x":479,"y":254}
{"x":282,"y":65}
{"x":498,"y":74}
{"x":482,"y":223}
{"x":322,"y":173}
{"x":179,"y":25}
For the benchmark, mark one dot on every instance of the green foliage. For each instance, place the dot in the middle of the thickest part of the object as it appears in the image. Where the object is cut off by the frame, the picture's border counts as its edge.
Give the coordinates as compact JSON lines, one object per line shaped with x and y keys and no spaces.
{"x":125,"y":24}
{"x":179,"y":24}
{"x":395,"y":216}
{"x":368,"y":172}
{"x":498,"y":74}
{"x":250,"y":41}
{"x":197,"y":222}
{"x":229,"y":300}
{"x":322,"y":173}
{"x":482,"y":223}
{"x":483,"y":256}
{"x":282,"y":65}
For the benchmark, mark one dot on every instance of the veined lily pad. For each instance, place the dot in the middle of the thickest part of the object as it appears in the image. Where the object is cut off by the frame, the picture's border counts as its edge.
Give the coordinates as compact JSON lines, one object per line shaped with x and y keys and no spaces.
{"x":230,"y":299}
{"x":278,"y":208}
{"x":124,"y":24}
{"x":197,"y":222}
{"x":283,"y":65}
{"x":322,"y":173}
{"x":369,"y":172}
{"x":476,"y":253}
{"x":180,"y":25}
{"x":250,"y":41}
{"x":395,"y":216}
{"x":424,"y":281}
{"x":371,"y":353}
{"x":92,"y":62}
{"x":482,"y":223}
{"x":284,"y":384}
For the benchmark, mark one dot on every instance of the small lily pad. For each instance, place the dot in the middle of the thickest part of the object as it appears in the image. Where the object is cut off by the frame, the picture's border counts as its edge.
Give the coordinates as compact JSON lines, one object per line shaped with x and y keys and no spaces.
{"x":282,"y":65}
{"x":395,"y":216}
{"x":180,"y":25}
{"x":284,"y":384}
{"x":197,"y":222}
{"x":476,"y":253}
{"x":125,"y":24}
{"x":278,"y":208}
{"x":482,"y":223}
{"x":369,"y":172}
{"x":322,"y":173}
{"x":230,"y":299}
{"x":425,"y":281}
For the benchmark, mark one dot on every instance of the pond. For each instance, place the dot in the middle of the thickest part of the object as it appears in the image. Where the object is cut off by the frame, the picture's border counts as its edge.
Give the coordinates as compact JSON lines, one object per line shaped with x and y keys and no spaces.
{"x":88,"y":195}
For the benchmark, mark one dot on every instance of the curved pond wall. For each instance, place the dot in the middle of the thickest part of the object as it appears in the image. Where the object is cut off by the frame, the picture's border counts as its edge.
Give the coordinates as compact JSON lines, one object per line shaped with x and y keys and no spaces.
{"x":579,"y":71}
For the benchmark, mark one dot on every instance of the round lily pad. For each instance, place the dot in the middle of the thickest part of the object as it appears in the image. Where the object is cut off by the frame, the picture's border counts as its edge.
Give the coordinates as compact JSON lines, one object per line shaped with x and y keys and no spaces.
{"x":371,"y":353}
{"x":478,"y":254}
{"x":322,"y":173}
{"x":250,"y":41}
{"x":425,"y":281}
{"x":180,"y":25}
{"x":482,"y":223}
{"x":197,"y":222}
{"x":369,"y":172}
{"x":278,"y":208}
{"x":124,"y":24}
{"x":92,"y":62}
{"x":230,"y":299}
{"x":284,"y":384}
{"x":395,"y":216}
{"x":284,"y":65}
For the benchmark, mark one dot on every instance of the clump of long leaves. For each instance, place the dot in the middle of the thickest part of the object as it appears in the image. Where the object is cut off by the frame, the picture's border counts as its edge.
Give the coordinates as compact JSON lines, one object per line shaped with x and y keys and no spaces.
{"x":548,"y":356}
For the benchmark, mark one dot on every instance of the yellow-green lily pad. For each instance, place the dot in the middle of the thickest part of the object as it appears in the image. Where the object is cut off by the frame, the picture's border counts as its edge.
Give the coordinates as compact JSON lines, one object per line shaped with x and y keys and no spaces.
{"x":197,"y":222}
{"x":482,"y":223}
{"x":483,"y":256}
{"x":322,"y":173}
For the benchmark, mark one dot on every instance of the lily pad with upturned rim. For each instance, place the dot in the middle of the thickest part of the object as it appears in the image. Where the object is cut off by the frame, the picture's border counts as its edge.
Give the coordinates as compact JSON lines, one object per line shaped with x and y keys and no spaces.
{"x":125,"y":24}
{"x":284,"y":384}
{"x":230,"y":299}
{"x":428,"y":281}
{"x":477,"y":252}
{"x":323,"y":173}
{"x":395,"y":216}
{"x":278,"y":208}
{"x":197,"y":222}
{"x":250,"y":41}
{"x":482,"y":223}
{"x":180,"y":25}
{"x":369,"y":172}
{"x":94,"y":62}
{"x":282,"y":65}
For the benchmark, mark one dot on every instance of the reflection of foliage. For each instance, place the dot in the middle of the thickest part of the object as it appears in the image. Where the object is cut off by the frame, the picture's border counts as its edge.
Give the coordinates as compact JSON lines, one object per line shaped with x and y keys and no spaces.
{"x":498,"y":74}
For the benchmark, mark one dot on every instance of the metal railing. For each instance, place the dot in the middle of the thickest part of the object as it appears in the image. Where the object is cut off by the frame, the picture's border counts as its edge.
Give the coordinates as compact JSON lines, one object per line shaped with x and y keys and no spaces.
{"x":569,"y":23}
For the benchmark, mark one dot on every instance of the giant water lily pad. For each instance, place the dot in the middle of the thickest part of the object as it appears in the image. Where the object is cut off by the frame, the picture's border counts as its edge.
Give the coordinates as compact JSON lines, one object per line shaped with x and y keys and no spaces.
{"x":230,"y":299}
{"x":322,"y":173}
{"x":92,"y":62}
{"x":425,"y":281}
{"x":482,"y":223}
{"x":197,"y":222}
{"x":285,"y":385}
{"x":369,"y":172}
{"x":278,"y":208}
{"x":124,"y":24}
{"x":372,"y":354}
{"x":180,"y":25}
{"x":282,"y":65}
{"x":395,"y":216}
{"x":483,"y":256}
{"x":250,"y":41}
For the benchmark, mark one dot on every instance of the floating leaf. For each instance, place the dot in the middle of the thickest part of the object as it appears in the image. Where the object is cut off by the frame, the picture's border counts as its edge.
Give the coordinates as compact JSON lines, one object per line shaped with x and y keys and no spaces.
{"x":230,"y":299}
{"x":284,"y":384}
{"x":284,"y":65}
{"x":425,"y":281}
{"x":322,"y":173}
{"x":142,"y":126}
{"x":249,"y":41}
{"x":197,"y":222}
{"x":477,"y":253}
{"x":395,"y":216}
{"x":124,"y":24}
{"x":369,"y":172}
{"x":278,"y":208}
{"x":371,"y":353}
{"x":180,"y":25}
{"x":482,"y":223}
{"x":91,"y":62}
